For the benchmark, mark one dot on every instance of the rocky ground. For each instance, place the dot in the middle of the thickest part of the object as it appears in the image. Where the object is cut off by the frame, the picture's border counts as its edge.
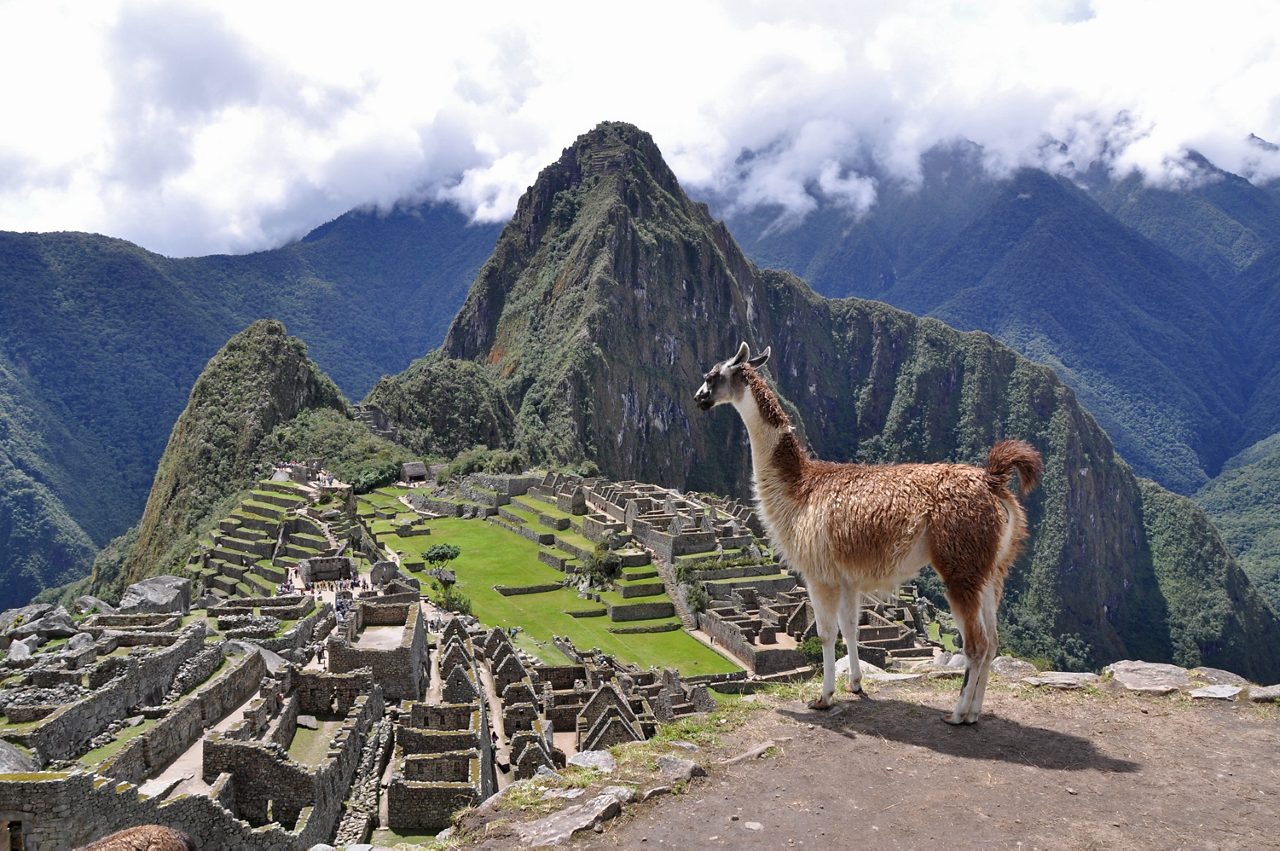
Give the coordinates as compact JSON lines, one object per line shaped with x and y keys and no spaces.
{"x":1101,"y":767}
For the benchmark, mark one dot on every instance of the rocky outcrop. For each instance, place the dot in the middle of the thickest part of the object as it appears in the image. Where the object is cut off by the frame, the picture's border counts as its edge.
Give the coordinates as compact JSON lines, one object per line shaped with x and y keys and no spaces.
{"x":159,"y":594}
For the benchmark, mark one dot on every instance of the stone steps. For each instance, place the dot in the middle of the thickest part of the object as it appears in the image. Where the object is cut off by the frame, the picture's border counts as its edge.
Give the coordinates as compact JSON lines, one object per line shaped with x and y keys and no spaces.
{"x":640,"y":589}
{"x":285,"y":501}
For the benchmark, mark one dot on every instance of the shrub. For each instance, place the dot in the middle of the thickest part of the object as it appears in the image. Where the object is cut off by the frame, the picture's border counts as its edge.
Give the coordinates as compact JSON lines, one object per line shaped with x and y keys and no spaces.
{"x":482,"y":460}
{"x":811,"y":649}
{"x":697,"y":599}
{"x":452,"y":599}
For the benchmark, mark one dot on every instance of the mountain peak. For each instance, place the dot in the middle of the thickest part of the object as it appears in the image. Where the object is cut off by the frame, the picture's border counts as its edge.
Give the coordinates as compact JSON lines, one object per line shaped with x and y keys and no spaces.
{"x":608,"y":193}
{"x":259,"y":379}
{"x":613,"y":147}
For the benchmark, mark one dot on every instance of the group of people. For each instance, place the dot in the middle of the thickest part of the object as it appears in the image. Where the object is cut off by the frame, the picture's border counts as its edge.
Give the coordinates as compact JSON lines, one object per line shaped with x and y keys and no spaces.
{"x":293,"y":582}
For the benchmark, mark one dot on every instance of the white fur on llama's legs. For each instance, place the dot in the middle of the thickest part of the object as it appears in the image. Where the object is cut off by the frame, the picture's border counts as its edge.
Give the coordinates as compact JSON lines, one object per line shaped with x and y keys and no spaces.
{"x":850,"y":605}
{"x":826,"y":602}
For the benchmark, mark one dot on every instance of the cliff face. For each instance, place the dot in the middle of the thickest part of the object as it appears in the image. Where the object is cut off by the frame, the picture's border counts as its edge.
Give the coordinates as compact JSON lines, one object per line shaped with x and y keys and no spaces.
{"x":258,"y":380}
{"x":609,"y":294}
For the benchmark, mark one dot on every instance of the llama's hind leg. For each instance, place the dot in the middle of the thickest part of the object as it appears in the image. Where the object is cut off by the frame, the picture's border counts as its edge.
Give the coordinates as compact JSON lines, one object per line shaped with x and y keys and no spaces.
{"x":850,"y":611}
{"x":826,"y":607}
{"x":979,"y":648}
{"x":987,"y":611}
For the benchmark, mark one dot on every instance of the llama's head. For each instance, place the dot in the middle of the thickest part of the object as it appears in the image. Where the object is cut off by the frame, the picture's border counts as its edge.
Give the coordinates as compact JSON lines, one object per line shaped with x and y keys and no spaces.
{"x":726,"y":381}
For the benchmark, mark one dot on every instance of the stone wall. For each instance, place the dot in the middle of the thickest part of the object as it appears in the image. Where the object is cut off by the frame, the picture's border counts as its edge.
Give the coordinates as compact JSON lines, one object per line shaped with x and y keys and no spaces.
{"x":427,"y":807}
{"x":401,"y":671}
{"x":299,"y":635}
{"x":641,"y":611}
{"x":763,"y":661}
{"x":507,"y":485}
{"x":450,"y":767}
{"x":185,"y":722}
{"x":326,"y":568}
{"x":61,"y":811}
{"x":322,"y":693}
{"x":269,"y":786}
{"x":144,"y":680}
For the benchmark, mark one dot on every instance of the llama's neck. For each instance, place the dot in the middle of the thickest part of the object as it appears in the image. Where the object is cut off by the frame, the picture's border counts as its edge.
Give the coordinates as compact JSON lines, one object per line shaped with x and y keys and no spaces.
{"x":776,"y":455}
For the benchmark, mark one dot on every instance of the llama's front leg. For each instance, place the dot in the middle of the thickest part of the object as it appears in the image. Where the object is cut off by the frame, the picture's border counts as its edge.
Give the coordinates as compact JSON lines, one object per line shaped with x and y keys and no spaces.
{"x":850,"y":611}
{"x":826,"y":607}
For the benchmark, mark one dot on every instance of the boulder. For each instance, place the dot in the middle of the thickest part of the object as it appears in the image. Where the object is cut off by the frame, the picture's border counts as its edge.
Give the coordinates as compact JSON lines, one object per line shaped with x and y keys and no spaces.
{"x":13,"y":760}
{"x":1264,"y":694}
{"x":308,"y":722}
{"x":19,"y":650}
{"x":87,"y":603}
{"x":1218,"y":677}
{"x":1217,"y":692}
{"x":1061,"y":679}
{"x":1148,"y":677}
{"x":158,"y":595}
{"x":55,"y":624}
{"x":624,"y":794}
{"x":598,"y":760}
{"x":675,"y":769}
{"x":892,"y":678}
{"x":1010,"y":668}
{"x":16,"y":617}
{"x":559,"y":828}
{"x":383,"y":572}
{"x":80,"y":641}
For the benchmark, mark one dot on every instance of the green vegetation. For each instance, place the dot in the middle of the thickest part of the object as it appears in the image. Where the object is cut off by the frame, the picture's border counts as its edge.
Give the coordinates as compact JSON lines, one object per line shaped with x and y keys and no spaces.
{"x":1214,"y":614}
{"x":440,"y":554}
{"x":1244,"y":502}
{"x":442,"y":407}
{"x":350,"y":451}
{"x":102,"y":340}
{"x":260,"y":379}
{"x":493,"y":556}
{"x":99,"y":755}
{"x":259,"y":401}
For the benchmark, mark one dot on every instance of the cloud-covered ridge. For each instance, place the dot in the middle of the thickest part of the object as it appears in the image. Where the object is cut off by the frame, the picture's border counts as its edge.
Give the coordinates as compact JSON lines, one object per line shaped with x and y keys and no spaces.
{"x":198,"y":128}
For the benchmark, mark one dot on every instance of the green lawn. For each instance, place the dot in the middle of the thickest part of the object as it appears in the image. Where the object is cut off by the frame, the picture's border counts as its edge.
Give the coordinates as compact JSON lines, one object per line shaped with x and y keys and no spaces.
{"x":548,"y":508}
{"x":493,"y":556}
{"x":310,"y":747}
{"x":948,"y":641}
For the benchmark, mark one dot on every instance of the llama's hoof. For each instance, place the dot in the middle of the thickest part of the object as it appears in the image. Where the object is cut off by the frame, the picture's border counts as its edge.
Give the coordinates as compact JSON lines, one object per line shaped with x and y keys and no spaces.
{"x":957,"y":722}
{"x":854,"y":688}
{"x":819,"y":703}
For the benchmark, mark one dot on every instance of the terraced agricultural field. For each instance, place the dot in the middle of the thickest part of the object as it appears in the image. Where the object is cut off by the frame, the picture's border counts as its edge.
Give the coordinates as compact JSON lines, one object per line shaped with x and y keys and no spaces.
{"x":493,"y":556}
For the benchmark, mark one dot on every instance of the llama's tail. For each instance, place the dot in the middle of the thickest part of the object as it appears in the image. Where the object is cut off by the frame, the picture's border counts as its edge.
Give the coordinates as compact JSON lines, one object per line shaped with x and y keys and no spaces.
{"x":1009,"y":455}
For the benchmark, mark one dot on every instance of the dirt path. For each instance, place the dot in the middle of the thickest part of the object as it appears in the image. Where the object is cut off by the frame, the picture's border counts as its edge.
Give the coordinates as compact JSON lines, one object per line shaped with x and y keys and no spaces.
{"x":1041,"y":770}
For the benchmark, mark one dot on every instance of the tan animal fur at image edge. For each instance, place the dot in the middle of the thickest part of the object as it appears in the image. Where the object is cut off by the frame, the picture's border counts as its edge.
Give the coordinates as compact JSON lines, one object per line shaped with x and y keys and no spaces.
{"x":145,"y":837}
{"x":855,"y":528}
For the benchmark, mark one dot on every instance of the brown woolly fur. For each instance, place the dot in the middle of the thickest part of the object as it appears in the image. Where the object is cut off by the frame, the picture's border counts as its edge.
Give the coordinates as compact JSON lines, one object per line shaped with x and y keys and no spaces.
{"x":145,"y":837}
{"x":850,"y":529}
{"x":770,"y":408}
{"x":1008,"y":455}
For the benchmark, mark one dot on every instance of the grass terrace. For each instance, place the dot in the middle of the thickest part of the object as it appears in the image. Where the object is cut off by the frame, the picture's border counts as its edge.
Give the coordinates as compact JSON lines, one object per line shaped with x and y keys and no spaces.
{"x":493,"y":556}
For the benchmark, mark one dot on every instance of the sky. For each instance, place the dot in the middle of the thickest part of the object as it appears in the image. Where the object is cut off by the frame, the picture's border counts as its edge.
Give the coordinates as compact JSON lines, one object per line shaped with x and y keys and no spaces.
{"x":228,"y":127}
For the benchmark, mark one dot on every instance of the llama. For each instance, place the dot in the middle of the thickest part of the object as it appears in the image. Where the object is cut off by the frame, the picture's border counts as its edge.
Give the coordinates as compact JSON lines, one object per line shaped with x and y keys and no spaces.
{"x":854,"y":528}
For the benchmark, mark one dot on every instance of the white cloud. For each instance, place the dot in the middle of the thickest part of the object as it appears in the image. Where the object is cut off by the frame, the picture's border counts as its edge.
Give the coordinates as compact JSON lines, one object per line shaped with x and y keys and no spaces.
{"x":231,"y":126}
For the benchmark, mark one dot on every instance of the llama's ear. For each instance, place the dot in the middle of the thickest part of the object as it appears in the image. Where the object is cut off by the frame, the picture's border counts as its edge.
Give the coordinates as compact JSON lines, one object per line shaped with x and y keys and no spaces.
{"x":742,"y":354}
{"x":762,"y":358}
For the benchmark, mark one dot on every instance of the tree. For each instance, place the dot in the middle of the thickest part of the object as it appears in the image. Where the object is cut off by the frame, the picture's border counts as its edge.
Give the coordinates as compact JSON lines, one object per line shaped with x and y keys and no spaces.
{"x":440,"y":554}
